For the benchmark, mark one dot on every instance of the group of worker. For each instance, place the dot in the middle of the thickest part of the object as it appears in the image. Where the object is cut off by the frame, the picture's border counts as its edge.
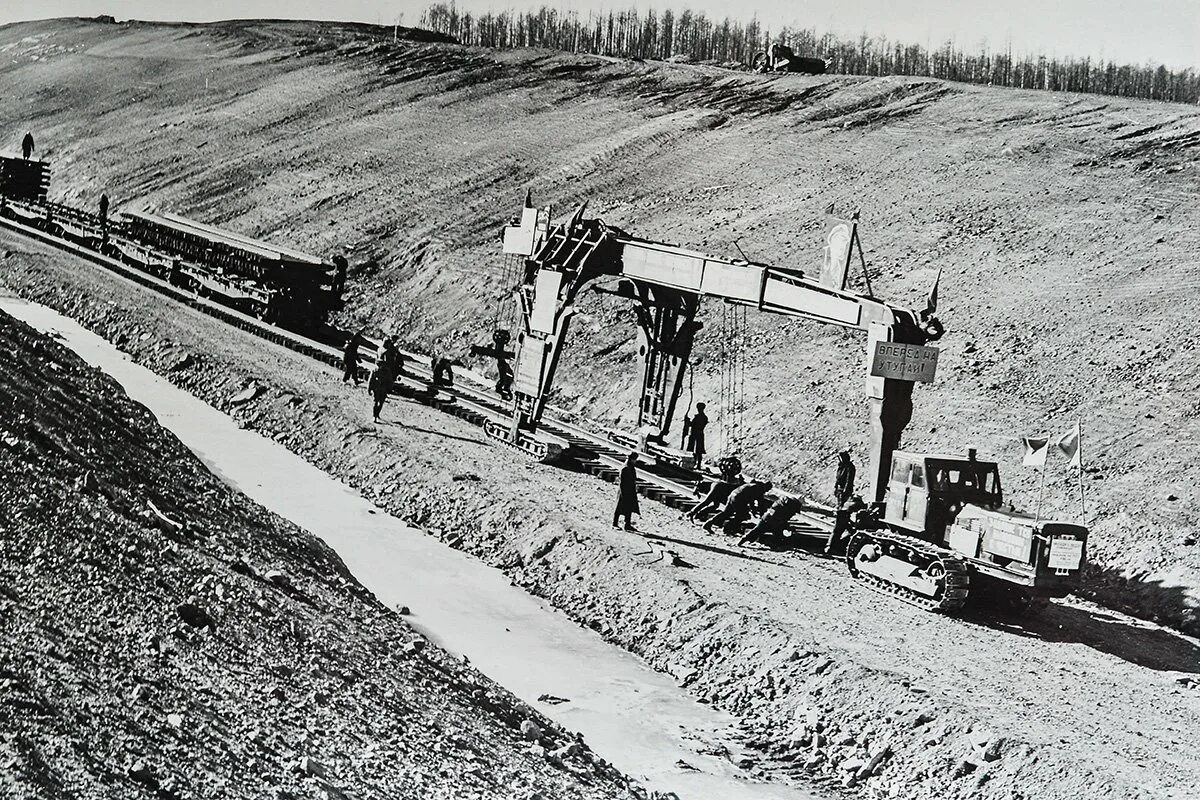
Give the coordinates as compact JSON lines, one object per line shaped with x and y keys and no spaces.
{"x":738,"y":498}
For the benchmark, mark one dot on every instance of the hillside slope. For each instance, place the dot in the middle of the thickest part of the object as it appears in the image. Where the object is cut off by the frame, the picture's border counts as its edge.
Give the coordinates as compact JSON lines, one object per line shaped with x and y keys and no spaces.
{"x":1065,"y":228}
{"x":223,"y":654}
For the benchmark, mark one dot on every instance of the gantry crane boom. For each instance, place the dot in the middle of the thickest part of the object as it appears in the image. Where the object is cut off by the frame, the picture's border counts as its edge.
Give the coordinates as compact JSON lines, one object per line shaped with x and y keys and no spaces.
{"x":667,"y":283}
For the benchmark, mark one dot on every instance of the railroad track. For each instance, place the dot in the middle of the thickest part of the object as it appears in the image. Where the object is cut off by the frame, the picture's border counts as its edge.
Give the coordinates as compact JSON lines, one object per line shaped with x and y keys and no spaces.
{"x":587,"y":451}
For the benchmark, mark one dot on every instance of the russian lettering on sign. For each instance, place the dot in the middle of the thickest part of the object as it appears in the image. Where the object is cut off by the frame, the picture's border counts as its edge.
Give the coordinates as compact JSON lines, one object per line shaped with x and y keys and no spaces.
{"x":905,"y":362}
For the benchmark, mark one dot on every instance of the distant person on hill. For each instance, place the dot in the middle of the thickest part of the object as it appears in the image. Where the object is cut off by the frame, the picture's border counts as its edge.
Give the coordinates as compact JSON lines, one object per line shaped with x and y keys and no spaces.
{"x":27,"y":146}
{"x":627,"y":495}
{"x":350,"y":358}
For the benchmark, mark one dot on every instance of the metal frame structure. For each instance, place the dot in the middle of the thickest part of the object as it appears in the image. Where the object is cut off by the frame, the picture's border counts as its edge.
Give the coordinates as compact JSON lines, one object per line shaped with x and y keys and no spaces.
{"x":667,"y":283}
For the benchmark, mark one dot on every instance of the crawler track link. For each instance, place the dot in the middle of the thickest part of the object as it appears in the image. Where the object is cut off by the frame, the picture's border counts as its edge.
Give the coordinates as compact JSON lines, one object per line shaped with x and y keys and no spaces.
{"x":950,"y":571}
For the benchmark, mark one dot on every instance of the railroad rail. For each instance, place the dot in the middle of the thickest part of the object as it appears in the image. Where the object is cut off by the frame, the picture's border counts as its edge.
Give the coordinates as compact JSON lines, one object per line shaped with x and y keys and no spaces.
{"x":598,"y":453}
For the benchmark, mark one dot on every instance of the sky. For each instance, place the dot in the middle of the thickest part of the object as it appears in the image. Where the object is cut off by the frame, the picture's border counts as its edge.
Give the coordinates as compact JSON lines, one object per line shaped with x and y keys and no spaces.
{"x":1127,"y":31}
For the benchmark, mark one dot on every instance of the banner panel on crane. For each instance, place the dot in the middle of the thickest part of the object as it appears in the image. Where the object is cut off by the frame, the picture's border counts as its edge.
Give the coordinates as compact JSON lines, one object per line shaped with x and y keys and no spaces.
{"x":787,"y":296}
{"x":681,"y":270}
{"x":733,"y":281}
{"x":545,"y":301}
{"x":519,"y":239}
{"x":527,"y":378}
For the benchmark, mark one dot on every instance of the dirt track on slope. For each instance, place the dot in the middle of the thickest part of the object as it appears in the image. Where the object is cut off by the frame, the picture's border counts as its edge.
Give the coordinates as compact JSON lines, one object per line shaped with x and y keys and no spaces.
{"x":1084,"y":703}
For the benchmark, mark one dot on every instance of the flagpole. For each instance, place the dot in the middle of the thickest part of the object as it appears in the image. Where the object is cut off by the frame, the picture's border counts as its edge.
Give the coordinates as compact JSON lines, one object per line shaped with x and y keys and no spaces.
{"x":1041,"y":494}
{"x":1079,"y":466}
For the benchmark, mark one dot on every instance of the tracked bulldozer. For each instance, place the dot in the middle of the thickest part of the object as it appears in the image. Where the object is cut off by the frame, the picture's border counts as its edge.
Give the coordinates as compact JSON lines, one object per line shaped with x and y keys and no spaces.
{"x":945,"y":535}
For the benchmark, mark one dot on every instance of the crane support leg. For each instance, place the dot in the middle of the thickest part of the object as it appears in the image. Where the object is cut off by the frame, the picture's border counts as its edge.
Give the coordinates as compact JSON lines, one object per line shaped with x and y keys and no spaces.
{"x":666,"y":329}
{"x":890,"y":408}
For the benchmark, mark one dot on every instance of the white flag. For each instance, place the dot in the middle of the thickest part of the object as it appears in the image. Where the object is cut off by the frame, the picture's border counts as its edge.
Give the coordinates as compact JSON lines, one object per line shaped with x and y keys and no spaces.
{"x":1036,"y":448}
{"x":1068,"y":443}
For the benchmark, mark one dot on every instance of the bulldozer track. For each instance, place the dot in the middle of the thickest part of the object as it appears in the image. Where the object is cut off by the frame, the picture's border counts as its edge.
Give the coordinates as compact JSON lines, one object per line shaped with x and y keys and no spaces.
{"x":956,"y":584}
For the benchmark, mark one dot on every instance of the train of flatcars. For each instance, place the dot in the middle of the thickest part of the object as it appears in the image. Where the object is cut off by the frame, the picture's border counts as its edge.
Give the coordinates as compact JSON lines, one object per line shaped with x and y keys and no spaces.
{"x":276,"y":284}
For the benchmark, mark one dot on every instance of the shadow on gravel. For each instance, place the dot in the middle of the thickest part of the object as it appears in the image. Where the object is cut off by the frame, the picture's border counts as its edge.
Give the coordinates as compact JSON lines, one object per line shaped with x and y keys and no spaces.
{"x":711,"y":548}
{"x":1136,"y":642}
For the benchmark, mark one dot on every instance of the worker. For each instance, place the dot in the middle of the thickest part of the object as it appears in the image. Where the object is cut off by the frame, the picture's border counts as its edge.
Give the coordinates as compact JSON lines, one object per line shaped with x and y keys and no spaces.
{"x":27,"y":146}
{"x":340,"y":267}
{"x":104,"y":218}
{"x":843,"y":485}
{"x":775,"y":520}
{"x":850,"y":516}
{"x":696,"y":435}
{"x":737,"y":509}
{"x":627,"y":495}
{"x":391,"y":357}
{"x":442,"y":369}
{"x":730,"y":478}
{"x":350,"y":358}
{"x":499,"y":351}
{"x":380,"y":385}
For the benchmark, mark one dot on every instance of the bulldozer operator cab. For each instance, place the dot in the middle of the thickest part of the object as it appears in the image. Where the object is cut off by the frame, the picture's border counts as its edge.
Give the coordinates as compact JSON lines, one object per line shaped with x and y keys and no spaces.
{"x":925,"y":492}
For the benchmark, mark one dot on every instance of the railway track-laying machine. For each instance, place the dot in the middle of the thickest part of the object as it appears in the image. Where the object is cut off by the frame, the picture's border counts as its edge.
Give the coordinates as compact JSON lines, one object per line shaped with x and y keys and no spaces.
{"x":943,"y":526}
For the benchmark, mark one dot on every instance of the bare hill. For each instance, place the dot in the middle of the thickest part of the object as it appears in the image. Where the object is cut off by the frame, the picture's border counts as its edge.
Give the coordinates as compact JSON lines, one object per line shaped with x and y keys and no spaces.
{"x":1065,"y":227}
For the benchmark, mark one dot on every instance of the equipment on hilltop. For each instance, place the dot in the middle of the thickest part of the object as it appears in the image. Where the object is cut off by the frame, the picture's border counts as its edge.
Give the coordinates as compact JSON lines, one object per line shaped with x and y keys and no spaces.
{"x":781,"y":58}
{"x":946,"y":530}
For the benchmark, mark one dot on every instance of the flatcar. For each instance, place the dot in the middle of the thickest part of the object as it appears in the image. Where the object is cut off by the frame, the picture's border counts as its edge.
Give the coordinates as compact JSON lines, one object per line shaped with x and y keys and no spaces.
{"x":276,"y":283}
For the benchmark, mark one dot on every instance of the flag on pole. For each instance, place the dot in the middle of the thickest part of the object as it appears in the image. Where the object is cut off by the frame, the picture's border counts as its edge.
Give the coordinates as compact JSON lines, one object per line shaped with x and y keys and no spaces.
{"x":931,"y":301}
{"x":1069,"y":443}
{"x":1036,"y":448}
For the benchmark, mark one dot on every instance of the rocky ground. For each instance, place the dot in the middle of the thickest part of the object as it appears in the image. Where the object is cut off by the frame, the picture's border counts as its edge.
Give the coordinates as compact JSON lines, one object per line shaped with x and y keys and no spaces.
{"x":161,"y":636}
{"x":825,"y":676}
{"x":1062,"y":228}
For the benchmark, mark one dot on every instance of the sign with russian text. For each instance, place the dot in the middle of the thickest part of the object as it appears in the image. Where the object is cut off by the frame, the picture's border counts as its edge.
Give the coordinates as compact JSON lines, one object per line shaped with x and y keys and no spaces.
{"x":904,"y":362}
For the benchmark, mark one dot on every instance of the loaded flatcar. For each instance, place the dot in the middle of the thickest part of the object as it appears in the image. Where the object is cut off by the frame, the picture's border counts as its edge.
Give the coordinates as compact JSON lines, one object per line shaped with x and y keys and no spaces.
{"x":276,"y":283}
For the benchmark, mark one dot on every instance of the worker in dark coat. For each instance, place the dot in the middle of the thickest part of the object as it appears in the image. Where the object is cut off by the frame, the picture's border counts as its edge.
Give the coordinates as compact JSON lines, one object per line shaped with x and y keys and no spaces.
{"x":340,"y":267}
{"x":104,"y":218}
{"x":27,"y":146}
{"x":741,"y":503}
{"x":350,"y":358}
{"x":775,"y":520}
{"x":442,"y":369}
{"x":731,"y":478}
{"x":627,"y":495}
{"x":696,"y":434}
{"x":388,"y":366}
{"x":843,"y":485}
